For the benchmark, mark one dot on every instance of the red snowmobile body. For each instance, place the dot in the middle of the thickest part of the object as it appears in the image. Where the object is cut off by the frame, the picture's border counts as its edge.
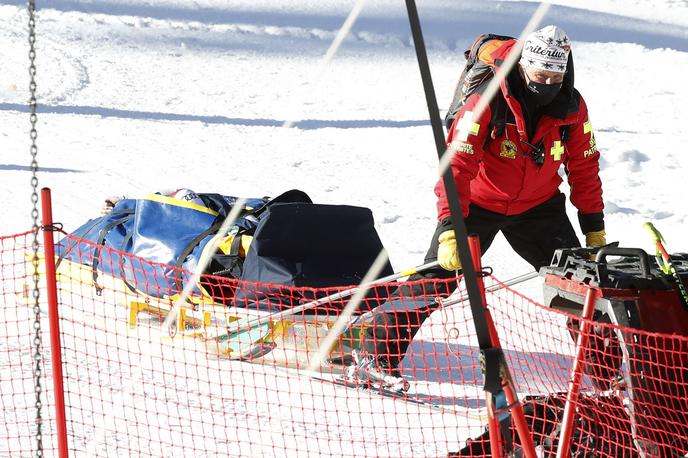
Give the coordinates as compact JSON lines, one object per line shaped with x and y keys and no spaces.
{"x":649,"y":369}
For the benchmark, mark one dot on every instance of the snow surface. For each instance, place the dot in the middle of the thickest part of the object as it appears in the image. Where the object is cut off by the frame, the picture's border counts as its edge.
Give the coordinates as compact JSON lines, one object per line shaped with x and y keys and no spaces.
{"x":140,"y":95}
{"x":137,"y":96}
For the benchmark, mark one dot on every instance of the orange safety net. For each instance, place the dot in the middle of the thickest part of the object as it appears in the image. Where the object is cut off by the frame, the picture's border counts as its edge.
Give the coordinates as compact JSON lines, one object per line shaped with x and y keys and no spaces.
{"x":136,"y":388}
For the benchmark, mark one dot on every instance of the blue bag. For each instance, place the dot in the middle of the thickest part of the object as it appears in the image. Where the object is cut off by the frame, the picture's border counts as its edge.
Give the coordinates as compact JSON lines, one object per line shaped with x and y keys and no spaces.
{"x":169,"y":234}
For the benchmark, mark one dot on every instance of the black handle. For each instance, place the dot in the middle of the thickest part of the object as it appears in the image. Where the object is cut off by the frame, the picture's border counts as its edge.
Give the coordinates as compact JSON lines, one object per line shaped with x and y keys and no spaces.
{"x":633,"y":252}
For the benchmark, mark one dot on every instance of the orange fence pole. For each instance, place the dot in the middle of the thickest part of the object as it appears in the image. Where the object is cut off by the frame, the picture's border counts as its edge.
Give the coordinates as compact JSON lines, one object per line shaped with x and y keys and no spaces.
{"x":567,"y":422}
{"x":54,"y":322}
{"x":513,"y":403}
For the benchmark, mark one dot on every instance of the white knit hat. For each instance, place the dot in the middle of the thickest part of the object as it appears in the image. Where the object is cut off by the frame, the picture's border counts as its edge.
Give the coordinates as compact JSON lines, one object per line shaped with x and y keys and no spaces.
{"x":547,"y":49}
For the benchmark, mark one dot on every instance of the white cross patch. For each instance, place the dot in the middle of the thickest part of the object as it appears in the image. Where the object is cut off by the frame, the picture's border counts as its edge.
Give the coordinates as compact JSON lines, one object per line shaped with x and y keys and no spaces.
{"x":466,"y":127}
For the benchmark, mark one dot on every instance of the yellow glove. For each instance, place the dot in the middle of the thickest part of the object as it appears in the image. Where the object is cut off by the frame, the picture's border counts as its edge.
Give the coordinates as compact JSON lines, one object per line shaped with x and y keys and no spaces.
{"x":446,"y":252}
{"x":595,"y":239}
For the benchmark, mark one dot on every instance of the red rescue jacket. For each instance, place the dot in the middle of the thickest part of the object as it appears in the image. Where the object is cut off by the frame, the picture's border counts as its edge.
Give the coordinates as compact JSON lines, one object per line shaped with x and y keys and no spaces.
{"x":497,"y":174}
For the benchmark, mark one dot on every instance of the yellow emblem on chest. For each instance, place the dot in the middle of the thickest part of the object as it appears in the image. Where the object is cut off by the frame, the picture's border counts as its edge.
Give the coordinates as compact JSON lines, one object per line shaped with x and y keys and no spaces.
{"x":556,"y":150}
{"x":508,"y":149}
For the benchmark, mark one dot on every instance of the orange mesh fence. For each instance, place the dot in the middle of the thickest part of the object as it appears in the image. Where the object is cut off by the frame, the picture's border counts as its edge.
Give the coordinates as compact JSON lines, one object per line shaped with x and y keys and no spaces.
{"x":136,"y":388}
{"x":18,"y":413}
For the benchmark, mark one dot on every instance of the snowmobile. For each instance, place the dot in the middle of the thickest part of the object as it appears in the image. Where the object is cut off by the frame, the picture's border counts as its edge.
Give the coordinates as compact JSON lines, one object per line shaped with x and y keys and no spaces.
{"x":636,"y":400}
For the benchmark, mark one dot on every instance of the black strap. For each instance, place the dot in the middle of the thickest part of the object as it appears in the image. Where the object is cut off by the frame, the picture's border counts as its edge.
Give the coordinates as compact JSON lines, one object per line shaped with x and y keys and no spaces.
{"x":497,"y":125}
{"x":470,"y":276}
{"x":232,"y":262}
{"x":191,"y":246}
{"x":122,"y":247}
{"x":94,"y":223}
{"x":126,"y":240}
{"x":216,"y":202}
{"x":236,"y":244}
{"x":128,"y":214}
{"x":74,"y":242}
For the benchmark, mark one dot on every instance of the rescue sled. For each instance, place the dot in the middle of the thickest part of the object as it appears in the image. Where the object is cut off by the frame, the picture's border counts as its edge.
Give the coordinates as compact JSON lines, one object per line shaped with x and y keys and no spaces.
{"x":141,"y":256}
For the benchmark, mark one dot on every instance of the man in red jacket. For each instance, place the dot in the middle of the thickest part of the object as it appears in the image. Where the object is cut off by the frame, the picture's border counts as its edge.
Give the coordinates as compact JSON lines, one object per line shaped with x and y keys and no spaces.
{"x":507,"y":176}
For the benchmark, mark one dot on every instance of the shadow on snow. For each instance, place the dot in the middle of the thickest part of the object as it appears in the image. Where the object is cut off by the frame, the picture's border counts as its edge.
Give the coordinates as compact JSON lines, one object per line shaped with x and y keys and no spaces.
{"x":307,"y":124}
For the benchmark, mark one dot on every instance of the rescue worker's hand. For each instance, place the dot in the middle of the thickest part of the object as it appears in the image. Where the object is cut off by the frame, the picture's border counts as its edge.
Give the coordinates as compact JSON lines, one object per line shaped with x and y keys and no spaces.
{"x":595,"y":239}
{"x":446,"y":251}
{"x":109,"y":204}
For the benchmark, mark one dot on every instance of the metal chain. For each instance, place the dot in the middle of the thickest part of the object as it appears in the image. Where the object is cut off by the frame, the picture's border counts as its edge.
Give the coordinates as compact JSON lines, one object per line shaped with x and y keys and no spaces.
{"x":37,"y":371}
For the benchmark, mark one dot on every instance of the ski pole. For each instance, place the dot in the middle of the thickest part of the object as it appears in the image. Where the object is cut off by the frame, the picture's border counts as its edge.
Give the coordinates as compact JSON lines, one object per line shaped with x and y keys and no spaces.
{"x":665,"y":262}
{"x":513,"y":281}
{"x":449,"y":302}
{"x":255,"y":322}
